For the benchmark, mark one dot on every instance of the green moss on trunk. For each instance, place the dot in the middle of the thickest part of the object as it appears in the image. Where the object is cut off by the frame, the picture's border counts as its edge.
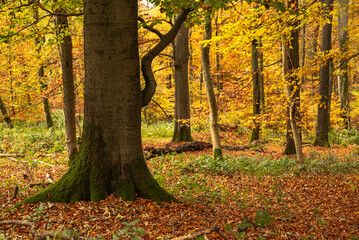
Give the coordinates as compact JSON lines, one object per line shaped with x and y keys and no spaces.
{"x":217,"y":153}
{"x":91,"y":178}
{"x":182,"y":134}
{"x":321,"y":141}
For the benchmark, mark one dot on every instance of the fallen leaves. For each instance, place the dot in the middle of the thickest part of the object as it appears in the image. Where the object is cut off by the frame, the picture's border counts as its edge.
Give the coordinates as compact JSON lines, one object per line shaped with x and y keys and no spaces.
{"x":323,"y":206}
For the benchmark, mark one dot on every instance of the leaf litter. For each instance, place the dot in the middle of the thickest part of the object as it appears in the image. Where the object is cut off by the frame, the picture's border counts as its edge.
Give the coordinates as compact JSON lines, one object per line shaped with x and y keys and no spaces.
{"x":304,"y":206}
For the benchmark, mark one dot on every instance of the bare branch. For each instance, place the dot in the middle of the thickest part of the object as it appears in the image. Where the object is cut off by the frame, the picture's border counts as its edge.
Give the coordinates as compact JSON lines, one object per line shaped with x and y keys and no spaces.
{"x":145,"y":26}
{"x":146,"y":61}
{"x":56,"y":13}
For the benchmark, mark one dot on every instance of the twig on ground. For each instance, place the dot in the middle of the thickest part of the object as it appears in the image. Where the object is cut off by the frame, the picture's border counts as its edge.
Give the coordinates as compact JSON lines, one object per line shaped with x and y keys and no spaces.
{"x":3,"y":155}
{"x":197,"y":234}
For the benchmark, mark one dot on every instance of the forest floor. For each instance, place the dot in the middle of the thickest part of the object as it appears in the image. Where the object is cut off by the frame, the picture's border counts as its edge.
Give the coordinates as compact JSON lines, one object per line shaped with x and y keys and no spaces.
{"x":278,"y":202}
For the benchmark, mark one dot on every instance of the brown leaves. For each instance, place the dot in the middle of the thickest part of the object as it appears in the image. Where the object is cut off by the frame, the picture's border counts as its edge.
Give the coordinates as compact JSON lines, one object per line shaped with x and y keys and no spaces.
{"x":275,"y":207}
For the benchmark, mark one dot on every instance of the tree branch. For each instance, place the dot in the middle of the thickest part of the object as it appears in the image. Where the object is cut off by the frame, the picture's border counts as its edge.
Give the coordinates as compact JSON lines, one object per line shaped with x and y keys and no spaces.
{"x":146,"y":61}
{"x":22,"y":29}
{"x":56,"y":13}
{"x":271,"y":64}
{"x":145,"y":26}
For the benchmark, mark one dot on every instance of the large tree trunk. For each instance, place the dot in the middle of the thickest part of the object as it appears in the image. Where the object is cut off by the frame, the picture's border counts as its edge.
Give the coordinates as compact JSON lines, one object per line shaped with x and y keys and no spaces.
{"x":290,"y":64}
{"x":68,"y":85}
{"x":182,"y":128}
{"x":343,"y":76}
{"x":256,"y":91}
{"x":110,"y":159}
{"x":6,"y":117}
{"x":213,"y":116}
{"x":322,"y":130}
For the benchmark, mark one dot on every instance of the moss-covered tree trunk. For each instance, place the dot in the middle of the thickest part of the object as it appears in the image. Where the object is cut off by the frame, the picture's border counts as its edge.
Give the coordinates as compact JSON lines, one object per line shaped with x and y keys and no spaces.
{"x":110,"y":159}
{"x":322,"y":130}
{"x":213,"y":115}
{"x":182,"y":128}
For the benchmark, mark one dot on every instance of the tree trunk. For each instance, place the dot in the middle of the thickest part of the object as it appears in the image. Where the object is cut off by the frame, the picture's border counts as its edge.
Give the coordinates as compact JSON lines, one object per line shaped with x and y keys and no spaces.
{"x":41,"y":73}
{"x":45,"y":100}
{"x":256,"y":91}
{"x":68,"y":85}
{"x":322,"y":130}
{"x":110,"y":158}
{"x":218,"y":61}
{"x":6,"y":117}
{"x":261,"y":79}
{"x":182,"y":128}
{"x":343,"y":76}
{"x":290,"y":64}
{"x":213,"y":116}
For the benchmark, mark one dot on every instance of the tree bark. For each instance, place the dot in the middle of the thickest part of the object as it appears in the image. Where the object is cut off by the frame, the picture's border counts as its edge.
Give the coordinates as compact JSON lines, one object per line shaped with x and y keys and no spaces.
{"x":343,"y":76}
{"x":182,"y":128}
{"x":322,"y":130}
{"x":290,"y":64}
{"x":6,"y":117}
{"x":110,"y":158}
{"x":68,"y":84}
{"x":256,"y":91}
{"x":213,"y":116}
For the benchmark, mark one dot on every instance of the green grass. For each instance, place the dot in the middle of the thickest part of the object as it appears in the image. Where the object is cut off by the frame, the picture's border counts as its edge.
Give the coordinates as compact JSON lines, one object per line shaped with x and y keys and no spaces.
{"x":31,"y":137}
{"x":162,"y":129}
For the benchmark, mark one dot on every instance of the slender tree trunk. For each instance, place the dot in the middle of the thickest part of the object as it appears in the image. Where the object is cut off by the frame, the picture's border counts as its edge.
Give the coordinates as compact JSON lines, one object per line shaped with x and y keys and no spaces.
{"x":304,"y":43}
{"x":256,"y":91}
{"x":110,"y":158}
{"x":343,"y":76}
{"x":290,"y":64}
{"x":68,"y":85}
{"x":218,"y":61}
{"x":261,"y":79}
{"x":45,"y":100}
{"x":43,"y":84}
{"x":6,"y":117}
{"x":182,"y":128}
{"x":213,"y":117}
{"x":322,"y":130}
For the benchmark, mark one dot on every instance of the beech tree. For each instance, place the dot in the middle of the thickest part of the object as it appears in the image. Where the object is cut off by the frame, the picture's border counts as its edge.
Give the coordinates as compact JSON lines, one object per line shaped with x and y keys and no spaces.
{"x":67,"y":82}
{"x":182,"y":128}
{"x":213,"y":115}
{"x":290,"y":64}
{"x":110,"y":158}
{"x":343,"y":76}
{"x":321,"y":138}
{"x":256,"y":90}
